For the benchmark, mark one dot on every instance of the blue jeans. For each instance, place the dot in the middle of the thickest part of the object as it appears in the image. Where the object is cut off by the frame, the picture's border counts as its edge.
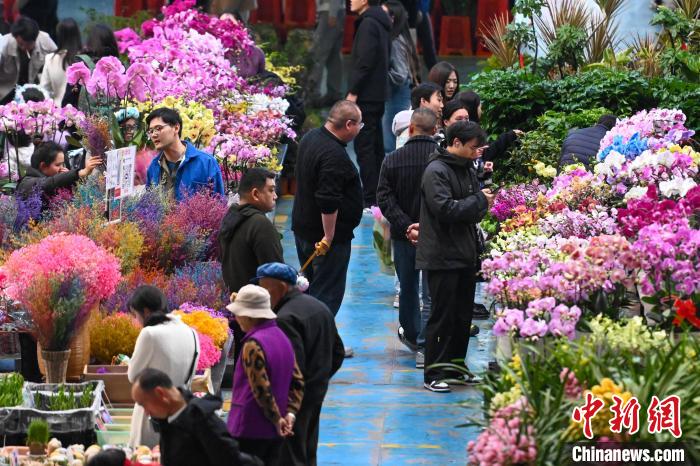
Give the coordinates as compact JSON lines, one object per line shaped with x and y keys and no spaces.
{"x":399,"y":100}
{"x":411,"y":318}
{"x":326,"y":274}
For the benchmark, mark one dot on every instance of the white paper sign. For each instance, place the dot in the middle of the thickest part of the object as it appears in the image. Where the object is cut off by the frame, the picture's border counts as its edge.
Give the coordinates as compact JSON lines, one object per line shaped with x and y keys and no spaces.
{"x":120,"y":170}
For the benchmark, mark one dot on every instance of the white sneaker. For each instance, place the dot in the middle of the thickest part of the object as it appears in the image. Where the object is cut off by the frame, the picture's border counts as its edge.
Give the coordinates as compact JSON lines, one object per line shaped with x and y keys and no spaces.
{"x":438,"y":387}
{"x":420,"y":360}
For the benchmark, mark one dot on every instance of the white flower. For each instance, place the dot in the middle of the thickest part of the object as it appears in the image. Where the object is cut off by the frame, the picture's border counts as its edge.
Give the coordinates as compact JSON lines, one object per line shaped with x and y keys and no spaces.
{"x":677,"y":186}
{"x":636,"y":193}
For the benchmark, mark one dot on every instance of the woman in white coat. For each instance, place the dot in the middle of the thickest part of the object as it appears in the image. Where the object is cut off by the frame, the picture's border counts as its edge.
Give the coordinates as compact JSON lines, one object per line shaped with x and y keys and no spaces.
{"x":69,"y":43}
{"x":166,"y":344}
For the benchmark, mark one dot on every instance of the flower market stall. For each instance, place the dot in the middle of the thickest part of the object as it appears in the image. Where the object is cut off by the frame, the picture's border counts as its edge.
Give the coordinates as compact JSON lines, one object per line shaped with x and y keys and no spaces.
{"x":67,"y":273}
{"x":597,"y":290}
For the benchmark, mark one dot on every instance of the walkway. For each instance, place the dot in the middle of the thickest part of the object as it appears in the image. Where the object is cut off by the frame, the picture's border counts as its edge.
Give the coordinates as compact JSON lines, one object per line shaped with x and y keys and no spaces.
{"x":377,"y":411}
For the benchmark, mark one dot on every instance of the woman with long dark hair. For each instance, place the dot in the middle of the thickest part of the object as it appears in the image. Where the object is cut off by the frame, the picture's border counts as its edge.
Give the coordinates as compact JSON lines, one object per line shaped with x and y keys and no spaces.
{"x":403,"y":69}
{"x":445,"y":75}
{"x":100,"y":43}
{"x":165,"y":343}
{"x":69,"y":44}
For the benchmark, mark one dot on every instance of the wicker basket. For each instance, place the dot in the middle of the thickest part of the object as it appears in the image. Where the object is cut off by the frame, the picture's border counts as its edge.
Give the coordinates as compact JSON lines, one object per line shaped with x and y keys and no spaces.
{"x":79,"y":355}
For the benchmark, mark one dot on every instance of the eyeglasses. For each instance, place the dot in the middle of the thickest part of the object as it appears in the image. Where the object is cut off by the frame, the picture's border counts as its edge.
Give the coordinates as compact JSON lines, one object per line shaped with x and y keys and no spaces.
{"x":155,"y":129}
{"x":361,"y":124}
{"x":358,"y":123}
{"x":130,"y":128}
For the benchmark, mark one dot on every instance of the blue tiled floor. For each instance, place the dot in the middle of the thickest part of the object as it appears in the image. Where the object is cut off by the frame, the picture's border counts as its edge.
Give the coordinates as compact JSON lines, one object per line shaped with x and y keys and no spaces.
{"x":377,"y":411}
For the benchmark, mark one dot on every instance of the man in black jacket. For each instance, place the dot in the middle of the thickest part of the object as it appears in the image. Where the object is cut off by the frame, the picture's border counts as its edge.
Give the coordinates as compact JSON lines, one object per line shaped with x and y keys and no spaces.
{"x":399,"y":201}
{"x":190,"y":431}
{"x":452,"y":204}
{"x":582,"y":145}
{"x":319,"y":352}
{"x":369,"y":87}
{"x":247,"y":238}
{"x":328,"y":202}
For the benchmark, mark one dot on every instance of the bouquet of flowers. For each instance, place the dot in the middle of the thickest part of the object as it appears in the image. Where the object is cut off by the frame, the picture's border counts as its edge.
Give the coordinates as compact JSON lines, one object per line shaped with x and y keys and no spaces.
{"x":216,"y":328}
{"x":59,"y":281}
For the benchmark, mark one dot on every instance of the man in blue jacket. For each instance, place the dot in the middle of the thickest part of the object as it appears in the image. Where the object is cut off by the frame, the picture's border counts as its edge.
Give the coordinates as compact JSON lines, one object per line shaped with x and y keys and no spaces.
{"x":179,"y":166}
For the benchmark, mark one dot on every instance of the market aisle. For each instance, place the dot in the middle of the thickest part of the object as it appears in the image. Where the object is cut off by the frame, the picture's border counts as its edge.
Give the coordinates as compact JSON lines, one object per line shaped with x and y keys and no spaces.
{"x":377,"y":411}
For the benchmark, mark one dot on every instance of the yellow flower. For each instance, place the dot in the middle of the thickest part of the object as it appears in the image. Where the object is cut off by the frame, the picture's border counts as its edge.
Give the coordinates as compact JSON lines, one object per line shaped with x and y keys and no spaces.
{"x":203,"y":322}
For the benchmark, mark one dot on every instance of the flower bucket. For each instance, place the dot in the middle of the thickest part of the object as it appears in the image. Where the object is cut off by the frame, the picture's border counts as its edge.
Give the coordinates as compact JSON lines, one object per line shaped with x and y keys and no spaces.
{"x":55,"y":365}
{"x":79,"y":355}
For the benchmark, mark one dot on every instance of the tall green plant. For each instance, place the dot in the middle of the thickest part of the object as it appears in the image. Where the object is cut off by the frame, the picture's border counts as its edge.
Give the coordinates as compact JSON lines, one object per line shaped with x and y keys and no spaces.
{"x":11,"y":390}
{"x":530,"y":9}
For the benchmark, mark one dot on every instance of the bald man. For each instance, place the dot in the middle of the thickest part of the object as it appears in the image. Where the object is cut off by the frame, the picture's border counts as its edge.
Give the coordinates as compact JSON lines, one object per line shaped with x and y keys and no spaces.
{"x":399,"y":200}
{"x":328,"y":203}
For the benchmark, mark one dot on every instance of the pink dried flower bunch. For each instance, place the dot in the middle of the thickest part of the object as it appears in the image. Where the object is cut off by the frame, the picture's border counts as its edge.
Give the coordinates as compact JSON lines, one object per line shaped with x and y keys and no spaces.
{"x":67,"y":255}
{"x":209,"y":354}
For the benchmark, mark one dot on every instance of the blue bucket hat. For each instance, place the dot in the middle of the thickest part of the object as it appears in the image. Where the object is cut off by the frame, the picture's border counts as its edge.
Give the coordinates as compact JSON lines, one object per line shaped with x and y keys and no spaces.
{"x":276,"y":270}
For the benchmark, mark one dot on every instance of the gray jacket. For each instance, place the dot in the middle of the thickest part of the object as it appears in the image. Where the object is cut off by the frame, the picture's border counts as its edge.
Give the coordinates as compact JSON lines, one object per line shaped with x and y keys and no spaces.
{"x":399,"y":62}
{"x":9,"y":60}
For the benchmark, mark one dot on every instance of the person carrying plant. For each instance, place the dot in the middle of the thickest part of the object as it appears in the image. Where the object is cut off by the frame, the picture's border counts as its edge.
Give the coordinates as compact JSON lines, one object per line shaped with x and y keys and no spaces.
{"x":49,"y":174}
{"x":452,"y":205}
{"x":268,"y":387}
{"x":190,"y":430}
{"x":179,"y":167}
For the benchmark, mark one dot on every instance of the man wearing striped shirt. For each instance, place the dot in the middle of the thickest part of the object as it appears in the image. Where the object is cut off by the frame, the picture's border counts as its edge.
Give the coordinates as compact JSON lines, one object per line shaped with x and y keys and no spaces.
{"x":398,"y":195}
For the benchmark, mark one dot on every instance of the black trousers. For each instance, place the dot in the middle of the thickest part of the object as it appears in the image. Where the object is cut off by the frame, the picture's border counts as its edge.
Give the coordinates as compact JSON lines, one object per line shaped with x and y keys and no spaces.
{"x":369,"y":147}
{"x":300,"y":449}
{"x":447,"y":332}
{"x":268,"y":450}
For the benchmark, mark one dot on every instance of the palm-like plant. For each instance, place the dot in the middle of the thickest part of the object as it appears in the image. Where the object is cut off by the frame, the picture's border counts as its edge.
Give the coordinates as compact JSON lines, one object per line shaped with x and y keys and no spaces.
{"x":690,"y":8}
{"x":647,"y":52}
{"x":566,"y":12}
{"x":494,"y":35}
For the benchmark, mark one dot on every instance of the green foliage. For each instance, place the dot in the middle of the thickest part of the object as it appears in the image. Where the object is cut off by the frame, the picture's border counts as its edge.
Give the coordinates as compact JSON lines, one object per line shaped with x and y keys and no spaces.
{"x":519,"y":35}
{"x":38,"y":432}
{"x":674,"y":22}
{"x":529,"y":7}
{"x":65,"y":399}
{"x":543,"y":144}
{"x":510,"y":99}
{"x":11,"y":390}
{"x":674,"y":93}
{"x":513,"y":98}
{"x":568,"y":47}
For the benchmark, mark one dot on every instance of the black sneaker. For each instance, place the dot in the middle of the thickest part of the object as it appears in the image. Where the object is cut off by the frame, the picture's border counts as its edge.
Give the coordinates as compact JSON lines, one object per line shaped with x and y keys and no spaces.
{"x":466,"y":379}
{"x":480,"y":312}
{"x":438,"y":387}
{"x":406,"y":342}
{"x":473,"y":331}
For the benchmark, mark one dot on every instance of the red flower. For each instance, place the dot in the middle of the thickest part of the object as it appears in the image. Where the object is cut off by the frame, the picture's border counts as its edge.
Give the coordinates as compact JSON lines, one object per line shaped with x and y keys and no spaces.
{"x":685,"y":309}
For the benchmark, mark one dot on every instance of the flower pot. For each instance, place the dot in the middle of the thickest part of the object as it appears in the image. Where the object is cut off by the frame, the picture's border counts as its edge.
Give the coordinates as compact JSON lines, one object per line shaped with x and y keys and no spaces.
{"x":80,"y":355}
{"x":56,"y":365}
{"x":37,"y":449}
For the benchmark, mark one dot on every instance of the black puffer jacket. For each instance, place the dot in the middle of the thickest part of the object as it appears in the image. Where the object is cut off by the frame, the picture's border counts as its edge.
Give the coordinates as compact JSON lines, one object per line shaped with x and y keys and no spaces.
{"x":452,"y":204}
{"x":248,"y":240}
{"x":310,"y":327}
{"x":581,"y":145}
{"x":371,"y":50}
{"x":198,"y":436}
